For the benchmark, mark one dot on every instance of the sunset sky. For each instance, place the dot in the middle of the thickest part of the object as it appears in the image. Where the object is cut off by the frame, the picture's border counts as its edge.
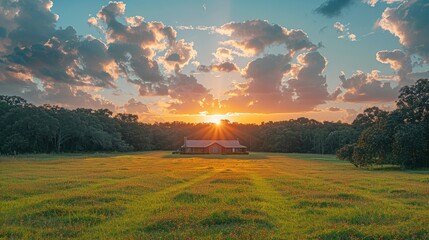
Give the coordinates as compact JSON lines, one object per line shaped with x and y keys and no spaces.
{"x":201,"y":61}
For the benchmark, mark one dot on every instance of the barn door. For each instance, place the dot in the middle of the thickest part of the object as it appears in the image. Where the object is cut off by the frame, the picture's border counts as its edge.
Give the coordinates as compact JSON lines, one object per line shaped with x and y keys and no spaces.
{"x":215,"y":149}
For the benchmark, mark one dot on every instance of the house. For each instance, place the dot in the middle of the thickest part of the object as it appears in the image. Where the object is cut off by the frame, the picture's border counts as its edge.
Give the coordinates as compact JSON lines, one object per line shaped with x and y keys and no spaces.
{"x":212,"y":147}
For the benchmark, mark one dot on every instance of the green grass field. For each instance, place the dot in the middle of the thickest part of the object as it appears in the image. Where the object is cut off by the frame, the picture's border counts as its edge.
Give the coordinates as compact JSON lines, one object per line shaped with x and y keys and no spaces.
{"x":157,"y":195}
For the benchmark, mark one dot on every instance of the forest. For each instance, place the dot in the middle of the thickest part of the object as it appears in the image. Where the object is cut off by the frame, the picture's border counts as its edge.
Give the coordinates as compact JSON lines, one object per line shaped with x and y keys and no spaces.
{"x":399,"y":137}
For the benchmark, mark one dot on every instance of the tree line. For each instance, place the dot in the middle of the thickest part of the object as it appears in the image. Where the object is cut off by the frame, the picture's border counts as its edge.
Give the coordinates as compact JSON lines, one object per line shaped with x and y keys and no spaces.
{"x":26,"y":128}
{"x":375,"y":136}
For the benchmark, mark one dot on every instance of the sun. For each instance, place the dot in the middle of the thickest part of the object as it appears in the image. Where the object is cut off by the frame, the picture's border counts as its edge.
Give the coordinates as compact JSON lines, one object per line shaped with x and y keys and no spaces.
{"x":216,"y":119}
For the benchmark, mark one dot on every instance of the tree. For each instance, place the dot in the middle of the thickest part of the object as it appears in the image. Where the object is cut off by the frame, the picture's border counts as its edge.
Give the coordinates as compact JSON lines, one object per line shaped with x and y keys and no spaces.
{"x":372,"y":147}
{"x":346,"y":153}
{"x":409,"y":146}
{"x":369,"y":117}
{"x":413,"y":105}
{"x":413,"y":102}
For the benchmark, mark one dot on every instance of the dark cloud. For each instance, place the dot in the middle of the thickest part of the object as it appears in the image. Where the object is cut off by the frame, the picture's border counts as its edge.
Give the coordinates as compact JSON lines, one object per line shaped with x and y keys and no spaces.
{"x":419,"y":75}
{"x":221,"y":67}
{"x":189,"y":95}
{"x":45,"y":64}
{"x":134,"y":106}
{"x":267,"y":91}
{"x":35,"y":23}
{"x":178,"y":55}
{"x":409,"y":22}
{"x":3,"y":32}
{"x":362,"y":87}
{"x":174,"y":57}
{"x":310,"y":85}
{"x":15,"y":80}
{"x":97,"y":62}
{"x":225,"y":67}
{"x":266,"y":73}
{"x":135,"y":44}
{"x":334,"y":95}
{"x":334,"y":109}
{"x":71,"y":97}
{"x":399,"y":61}
{"x":333,"y":8}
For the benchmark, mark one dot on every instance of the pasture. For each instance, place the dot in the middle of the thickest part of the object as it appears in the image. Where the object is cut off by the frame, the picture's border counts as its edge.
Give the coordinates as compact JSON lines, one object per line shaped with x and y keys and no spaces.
{"x":156,"y":195}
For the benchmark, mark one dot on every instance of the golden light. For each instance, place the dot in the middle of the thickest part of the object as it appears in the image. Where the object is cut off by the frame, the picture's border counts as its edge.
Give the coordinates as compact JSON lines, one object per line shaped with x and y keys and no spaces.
{"x":216,"y":119}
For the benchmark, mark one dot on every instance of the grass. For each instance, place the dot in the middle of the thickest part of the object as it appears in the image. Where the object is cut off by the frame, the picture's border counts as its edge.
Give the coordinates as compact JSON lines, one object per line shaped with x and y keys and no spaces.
{"x":157,"y":195}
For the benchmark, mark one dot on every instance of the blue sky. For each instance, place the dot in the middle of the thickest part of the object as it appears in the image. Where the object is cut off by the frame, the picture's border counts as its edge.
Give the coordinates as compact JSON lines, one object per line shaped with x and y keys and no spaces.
{"x":355,"y":54}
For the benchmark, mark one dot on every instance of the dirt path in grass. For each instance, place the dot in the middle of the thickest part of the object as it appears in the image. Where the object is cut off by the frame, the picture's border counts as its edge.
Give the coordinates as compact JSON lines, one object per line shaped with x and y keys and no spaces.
{"x":140,"y":210}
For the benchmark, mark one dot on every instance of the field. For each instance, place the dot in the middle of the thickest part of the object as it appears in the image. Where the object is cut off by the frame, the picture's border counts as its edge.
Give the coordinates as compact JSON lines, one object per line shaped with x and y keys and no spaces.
{"x":156,"y":195}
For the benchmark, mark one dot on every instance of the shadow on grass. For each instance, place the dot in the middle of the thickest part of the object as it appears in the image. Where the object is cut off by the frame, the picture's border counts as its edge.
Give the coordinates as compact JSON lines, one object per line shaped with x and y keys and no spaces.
{"x":253,"y":156}
{"x":314,"y":157}
{"x":396,"y":168}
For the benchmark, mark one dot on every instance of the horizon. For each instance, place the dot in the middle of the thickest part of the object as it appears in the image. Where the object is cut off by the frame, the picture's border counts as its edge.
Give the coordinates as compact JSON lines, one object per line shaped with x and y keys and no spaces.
{"x":244,"y":62}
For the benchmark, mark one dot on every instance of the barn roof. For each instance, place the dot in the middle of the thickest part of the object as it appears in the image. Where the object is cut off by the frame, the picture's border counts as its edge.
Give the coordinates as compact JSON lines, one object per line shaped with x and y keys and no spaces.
{"x":206,"y":143}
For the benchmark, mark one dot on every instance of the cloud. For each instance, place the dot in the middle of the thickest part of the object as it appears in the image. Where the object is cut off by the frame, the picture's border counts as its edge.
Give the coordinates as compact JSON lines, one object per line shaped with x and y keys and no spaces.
{"x":178,"y":55}
{"x":362,"y":87}
{"x":408,"y":22}
{"x":398,"y":61}
{"x":334,"y":109}
{"x":350,"y":115}
{"x":352,"y":37}
{"x":340,"y":27}
{"x":402,"y":64}
{"x":221,"y":67}
{"x":419,"y":75}
{"x":189,"y":96}
{"x":344,"y":31}
{"x":224,"y":54}
{"x":45,"y":64}
{"x":333,"y":8}
{"x":310,"y":85}
{"x":34,"y":22}
{"x":72,"y":97}
{"x":252,"y":37}
{"x":24,"y":23}
{"x":334,"y":95}
{"x":210,"y":29}
{"x":135,"y":44}
{"x":134,"y":106}
{"x":55,"y":65}
{"x":55,"y":55}
{"x":266,"y":90}
{"x":14,"y":80}
{"x":174,"y":57}
{"x":372,"y":3}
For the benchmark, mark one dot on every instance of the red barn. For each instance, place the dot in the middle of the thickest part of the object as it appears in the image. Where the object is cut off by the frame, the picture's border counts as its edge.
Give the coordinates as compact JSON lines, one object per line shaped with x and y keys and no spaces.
{"x":213,"y":147}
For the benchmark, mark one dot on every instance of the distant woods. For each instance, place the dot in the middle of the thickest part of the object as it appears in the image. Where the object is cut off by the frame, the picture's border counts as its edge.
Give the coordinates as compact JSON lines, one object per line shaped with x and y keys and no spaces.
{"x":400,"y":137}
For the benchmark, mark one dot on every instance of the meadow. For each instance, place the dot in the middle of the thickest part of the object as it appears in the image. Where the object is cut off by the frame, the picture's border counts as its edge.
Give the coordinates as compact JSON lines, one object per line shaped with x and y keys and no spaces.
{"x":157,"y":195}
